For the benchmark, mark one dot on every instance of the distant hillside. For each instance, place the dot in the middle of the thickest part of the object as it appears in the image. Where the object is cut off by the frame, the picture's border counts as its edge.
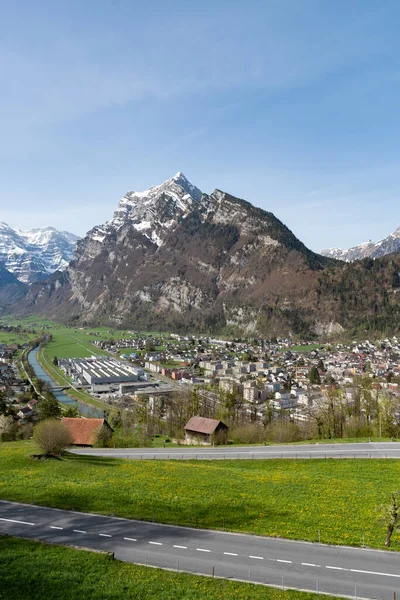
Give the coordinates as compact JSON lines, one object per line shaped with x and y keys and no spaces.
{"x":11,"y":290}
{"x":363,"y":296}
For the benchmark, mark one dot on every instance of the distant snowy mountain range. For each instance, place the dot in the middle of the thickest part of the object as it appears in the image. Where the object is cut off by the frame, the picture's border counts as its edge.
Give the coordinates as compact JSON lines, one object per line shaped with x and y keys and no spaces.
{"x":368,"y":249}
{"x":35,"y":254}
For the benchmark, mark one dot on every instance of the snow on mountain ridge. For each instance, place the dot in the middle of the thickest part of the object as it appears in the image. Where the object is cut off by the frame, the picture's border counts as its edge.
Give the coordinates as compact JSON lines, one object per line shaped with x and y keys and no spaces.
{"x":368,"y":249}
{"x":32,"y":255}
{"x":153,"y":211}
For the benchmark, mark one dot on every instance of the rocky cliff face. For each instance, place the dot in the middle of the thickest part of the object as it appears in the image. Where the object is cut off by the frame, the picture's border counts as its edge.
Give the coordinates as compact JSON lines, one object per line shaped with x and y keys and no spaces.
{"x":11,"y":290}
{"x":174,"y":257}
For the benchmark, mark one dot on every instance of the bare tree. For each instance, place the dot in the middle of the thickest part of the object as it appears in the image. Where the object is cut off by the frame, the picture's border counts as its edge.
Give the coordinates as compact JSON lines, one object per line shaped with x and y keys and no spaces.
{"x":390,"y":516}
{"x":52,"y":437}
{"x":6,"y":424}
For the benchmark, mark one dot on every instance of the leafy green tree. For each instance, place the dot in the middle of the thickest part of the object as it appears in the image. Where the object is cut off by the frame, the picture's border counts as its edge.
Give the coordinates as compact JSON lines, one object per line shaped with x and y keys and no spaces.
{"x":71,"y":412}
{"x":48,"y":407}
{"x":55,"y":361}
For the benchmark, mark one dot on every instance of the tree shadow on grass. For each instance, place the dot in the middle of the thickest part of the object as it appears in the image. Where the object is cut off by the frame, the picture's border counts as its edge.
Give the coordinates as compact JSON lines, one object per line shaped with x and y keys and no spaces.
{"x":100,"y":461}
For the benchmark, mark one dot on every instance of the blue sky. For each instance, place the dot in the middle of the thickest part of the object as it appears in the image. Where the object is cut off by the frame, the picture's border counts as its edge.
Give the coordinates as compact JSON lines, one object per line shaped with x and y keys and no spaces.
{"x":292,"y":105}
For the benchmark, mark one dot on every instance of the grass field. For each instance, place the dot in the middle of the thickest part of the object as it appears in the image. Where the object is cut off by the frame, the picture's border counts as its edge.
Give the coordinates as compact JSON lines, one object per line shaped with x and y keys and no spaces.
{"x":308,"y":348}
{"x":14,"y":338}
{"x":67,"y":343}
{"x":292,"y":499}
{"x":33,"y":571}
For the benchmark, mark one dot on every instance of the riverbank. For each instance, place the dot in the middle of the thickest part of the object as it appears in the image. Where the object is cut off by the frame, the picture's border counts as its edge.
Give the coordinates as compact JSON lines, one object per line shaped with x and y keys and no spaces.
{"x":60,"y":379}
{"x":84,"y":407}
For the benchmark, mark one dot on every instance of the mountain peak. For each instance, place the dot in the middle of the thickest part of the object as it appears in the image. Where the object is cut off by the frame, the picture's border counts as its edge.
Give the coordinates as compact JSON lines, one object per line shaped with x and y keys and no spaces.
{"x":153,"y":211}
{"x":180,"y":180}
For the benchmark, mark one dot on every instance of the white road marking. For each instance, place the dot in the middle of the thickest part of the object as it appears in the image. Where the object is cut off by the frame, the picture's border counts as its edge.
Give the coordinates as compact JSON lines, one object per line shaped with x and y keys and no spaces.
{"x":230,"y":553}
{"x":105,"y":535}
{"x":258,"y":557}
{"x":202,"y":550}
{"x":284,"y":561}
{"x":55,"y":527}
{"x":336,"y":568}
{"x":78,"y":531}
{"x":156,"y":543}
{"x":374,"y":573}
{"x":310,"y":565}
{"x":181,"y":547}
{"x":14,"y":521}
{"x":131,"y":539}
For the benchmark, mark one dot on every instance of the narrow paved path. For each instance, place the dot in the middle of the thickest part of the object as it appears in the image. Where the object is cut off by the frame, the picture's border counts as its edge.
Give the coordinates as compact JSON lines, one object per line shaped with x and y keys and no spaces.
{"x":364,"y":450}
{"x":350,"y":572}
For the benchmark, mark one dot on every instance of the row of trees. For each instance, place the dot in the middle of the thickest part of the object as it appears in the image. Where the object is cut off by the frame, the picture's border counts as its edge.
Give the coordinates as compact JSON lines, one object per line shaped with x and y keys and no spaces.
{"x":332,"y":414}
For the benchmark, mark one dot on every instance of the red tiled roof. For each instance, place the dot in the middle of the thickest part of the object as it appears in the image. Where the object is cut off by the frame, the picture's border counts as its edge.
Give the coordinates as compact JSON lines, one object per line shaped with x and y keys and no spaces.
{"x":83,"y":431}
{"x":203,"y":425}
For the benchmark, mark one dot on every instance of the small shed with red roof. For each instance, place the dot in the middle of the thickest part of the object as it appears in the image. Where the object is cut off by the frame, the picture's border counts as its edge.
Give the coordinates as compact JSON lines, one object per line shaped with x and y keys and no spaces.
{"x":86,"y":431}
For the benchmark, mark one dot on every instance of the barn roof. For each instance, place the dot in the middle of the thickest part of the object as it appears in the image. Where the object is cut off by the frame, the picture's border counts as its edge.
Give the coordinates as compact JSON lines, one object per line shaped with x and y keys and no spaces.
{"x":203,"y":425}
{"x":84,"y":431}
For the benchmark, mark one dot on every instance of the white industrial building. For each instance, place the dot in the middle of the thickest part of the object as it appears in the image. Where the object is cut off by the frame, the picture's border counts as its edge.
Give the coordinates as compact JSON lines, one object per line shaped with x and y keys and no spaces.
{"x":102,"y":373}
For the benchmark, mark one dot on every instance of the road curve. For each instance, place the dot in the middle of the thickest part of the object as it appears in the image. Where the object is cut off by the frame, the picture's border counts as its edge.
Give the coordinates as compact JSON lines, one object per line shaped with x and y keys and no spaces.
{"x":348,"y":572}
{"x":363,"y":450}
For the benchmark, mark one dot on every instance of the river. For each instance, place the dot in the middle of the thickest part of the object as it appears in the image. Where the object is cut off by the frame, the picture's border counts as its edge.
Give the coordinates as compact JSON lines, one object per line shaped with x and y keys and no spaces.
{"x":83,"y":408}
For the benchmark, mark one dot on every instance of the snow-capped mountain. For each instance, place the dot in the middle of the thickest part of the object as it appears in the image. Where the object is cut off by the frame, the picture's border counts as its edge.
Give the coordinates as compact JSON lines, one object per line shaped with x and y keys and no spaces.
{"x":154,"y":211}
{"x":180,"y":258}
{"x":369,"y":249}
{"x":35,"y":254}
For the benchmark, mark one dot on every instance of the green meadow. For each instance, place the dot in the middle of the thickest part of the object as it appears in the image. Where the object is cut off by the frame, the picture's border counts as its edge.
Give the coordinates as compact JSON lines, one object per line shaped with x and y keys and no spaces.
{"x":337,"y":500}
{"x":33,"y":571}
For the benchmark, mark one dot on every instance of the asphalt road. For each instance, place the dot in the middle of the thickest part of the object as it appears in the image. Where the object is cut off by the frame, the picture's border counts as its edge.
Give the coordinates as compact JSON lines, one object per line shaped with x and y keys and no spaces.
{"x":349,"y":572}
{"x":365,"y":450}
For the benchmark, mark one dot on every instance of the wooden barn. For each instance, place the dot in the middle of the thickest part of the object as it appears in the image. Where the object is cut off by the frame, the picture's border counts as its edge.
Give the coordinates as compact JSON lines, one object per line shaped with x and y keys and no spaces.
{"x":86,"y":431}
{"x":203,"y":431}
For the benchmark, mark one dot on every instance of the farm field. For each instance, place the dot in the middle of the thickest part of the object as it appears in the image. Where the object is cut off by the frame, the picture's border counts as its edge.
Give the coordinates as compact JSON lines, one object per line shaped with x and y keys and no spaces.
{"x":337,"y":500}
{"x":71,"y":342}
{"x":308,"y":348}
{"x":33,"y":571}
{"x":14,"y":338}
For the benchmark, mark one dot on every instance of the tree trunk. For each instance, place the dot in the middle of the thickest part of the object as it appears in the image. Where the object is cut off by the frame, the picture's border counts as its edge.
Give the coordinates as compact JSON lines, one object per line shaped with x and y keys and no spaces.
{"x":389,"y":535}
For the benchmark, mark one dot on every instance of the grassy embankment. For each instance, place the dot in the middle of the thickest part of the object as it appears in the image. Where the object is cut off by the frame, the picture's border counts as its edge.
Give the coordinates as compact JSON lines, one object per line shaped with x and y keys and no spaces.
{"x":33,"y":571}
{"x":291,"y":499}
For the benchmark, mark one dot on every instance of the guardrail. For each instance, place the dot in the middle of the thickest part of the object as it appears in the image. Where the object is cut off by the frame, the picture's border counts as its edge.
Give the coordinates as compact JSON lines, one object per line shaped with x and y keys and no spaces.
{"x":120,"y":453}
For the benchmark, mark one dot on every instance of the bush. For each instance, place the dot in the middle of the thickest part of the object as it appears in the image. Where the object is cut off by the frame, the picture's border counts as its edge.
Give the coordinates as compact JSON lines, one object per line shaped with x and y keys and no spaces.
{"x":52,"y":437}
{"x":357,"y":427}
{"x":104,"y":438}
{"x":250,"y":433}
{"x":284,"y":432}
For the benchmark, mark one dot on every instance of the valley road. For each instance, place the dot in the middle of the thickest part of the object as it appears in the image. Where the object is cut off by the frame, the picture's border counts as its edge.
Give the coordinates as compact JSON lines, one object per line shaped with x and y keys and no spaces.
{"x":362,"y":450}
{"x":351,"y":572}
